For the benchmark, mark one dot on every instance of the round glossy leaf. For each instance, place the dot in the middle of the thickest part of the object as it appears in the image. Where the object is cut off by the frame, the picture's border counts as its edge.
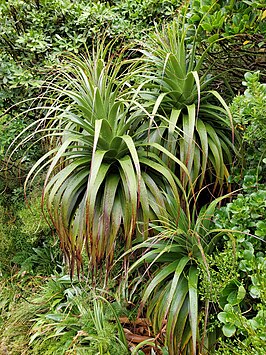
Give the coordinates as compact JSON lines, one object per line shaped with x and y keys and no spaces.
{"x":229,"y":330}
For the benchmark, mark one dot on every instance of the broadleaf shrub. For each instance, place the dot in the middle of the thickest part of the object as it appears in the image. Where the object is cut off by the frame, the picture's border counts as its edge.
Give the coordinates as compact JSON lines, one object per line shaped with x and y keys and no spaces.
{"x":237,"y":30}
{"x":238,"y":273}
{"x":248,"y":111}
{"x":238,"y":269}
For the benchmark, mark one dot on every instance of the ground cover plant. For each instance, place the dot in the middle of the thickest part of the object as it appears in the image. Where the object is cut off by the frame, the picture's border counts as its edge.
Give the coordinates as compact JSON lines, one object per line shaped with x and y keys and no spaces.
{"x":26,"y":240}
{"x":140,"y":154}
{"x":62,"y":317}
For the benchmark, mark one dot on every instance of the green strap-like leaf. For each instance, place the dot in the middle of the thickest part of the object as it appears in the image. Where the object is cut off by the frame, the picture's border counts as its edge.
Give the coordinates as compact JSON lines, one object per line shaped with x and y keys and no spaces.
{"x":178,"y":271}
{"x":202,"y":132}
{"x":176,"y":306}
{"x":134,"y":155}
{"x":108,"y":201}
{"x":219,"y":97}
{"x":170,"y":155}
{"x":188,"y":137}
{"x":160,"y":276}
{"x":171,"y":142}
{"x":145,"y":209}
{"x":180,"y":324}
{"x":155,"y":198}
{"x":193,"y":304}
{"x":129,"y":206}
{"x":57,"y":157}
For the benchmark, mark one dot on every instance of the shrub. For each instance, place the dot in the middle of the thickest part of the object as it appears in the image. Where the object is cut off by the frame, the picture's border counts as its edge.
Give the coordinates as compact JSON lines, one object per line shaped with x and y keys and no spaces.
{"x":238,"y":268}
{"x":238,"y":272}
{"x":248,"y":110}
{"x":237,"y":30}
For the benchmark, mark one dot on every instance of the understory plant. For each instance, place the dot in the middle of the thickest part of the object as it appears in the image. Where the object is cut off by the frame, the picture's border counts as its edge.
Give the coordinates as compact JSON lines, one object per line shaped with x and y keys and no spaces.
{"x":63,"y":317}
{"x":26,"y":240}
{"x":239,"y":27}
{"x":80,"y":322}
{"x":248,"y":111}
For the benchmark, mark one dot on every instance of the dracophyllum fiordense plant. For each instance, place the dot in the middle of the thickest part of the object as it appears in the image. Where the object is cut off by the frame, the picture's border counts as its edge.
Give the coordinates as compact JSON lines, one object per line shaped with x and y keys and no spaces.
{"x":170,"y":263}
{"x":102,"y":178}
{"x":193,"y":120}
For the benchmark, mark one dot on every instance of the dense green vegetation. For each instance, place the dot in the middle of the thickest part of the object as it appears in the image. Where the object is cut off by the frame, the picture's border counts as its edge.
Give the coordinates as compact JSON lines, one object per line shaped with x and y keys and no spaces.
{"x":132,"y":175}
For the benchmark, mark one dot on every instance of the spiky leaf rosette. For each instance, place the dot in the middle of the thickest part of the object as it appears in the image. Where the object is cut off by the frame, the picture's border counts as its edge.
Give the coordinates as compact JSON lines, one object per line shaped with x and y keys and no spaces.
{"x":193,"y":119}
{"x":102,"y":181}
{"x":170,"y":295}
